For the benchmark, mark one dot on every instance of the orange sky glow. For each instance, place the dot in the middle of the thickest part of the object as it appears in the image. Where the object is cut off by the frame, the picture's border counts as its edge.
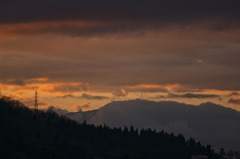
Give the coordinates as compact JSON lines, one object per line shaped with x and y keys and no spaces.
{"x":70,"y":96}
{"x":83,"y":56}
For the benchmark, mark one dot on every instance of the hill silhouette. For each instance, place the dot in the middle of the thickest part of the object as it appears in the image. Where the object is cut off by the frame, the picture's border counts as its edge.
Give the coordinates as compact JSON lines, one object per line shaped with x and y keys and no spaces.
{"x":27,"y":133}
{"x":208,"y":122}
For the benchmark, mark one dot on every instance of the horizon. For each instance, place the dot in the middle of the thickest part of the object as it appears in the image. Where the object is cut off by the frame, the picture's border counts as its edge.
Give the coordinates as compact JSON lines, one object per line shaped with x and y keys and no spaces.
{"x":52,"y":107}
{"x":81,"y":109}
{"x":93,"y":101}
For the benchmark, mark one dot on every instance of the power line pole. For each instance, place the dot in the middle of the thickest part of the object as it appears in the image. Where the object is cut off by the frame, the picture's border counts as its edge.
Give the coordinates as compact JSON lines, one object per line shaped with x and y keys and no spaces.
{"x":36,"y":100}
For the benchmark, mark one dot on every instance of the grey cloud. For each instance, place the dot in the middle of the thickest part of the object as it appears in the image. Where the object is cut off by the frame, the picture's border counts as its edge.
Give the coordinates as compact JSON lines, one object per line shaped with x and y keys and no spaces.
{"x":66,"y":96}
{"x":120,"y":93}
{"x":70,"y":88}
{"x":18,"y":82}
{"x":142,"y":89}
{"x":183,"y":89}
{"x":234,"y":94}
{"x":189,"y":95}
{"x":88,"y":96}
{"x":84,"y":96}
{"x":234,"y":101}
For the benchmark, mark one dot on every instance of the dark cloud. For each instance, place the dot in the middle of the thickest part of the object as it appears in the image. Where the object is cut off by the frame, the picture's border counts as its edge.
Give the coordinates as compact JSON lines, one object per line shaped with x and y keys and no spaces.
{"x":234,"y":94}
{"x":136,"y":10}
{"x":147,"y":89}
{"x":66,"y":96}
{"x":70,"y":88}
{"x":189,"y":95}
{"x":84,"y":96}
{"x":88,"y":96}
{"x":234,"y":101}
{"x":184,"y":89}
{"x":120,"y":15}
{"x":17,"y":82}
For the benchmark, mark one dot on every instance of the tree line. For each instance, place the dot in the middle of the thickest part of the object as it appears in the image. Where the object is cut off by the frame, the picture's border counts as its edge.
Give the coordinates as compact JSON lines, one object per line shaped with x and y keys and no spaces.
{"x":27,"y":134}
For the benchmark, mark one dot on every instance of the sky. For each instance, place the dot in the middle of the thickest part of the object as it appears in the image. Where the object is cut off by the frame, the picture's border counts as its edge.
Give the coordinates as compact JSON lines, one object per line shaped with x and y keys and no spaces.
{"x":83,"y":54}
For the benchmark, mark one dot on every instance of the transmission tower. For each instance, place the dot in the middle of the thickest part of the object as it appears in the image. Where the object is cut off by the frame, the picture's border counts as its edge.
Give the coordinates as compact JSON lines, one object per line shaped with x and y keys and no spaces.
{"x":36,"y":100}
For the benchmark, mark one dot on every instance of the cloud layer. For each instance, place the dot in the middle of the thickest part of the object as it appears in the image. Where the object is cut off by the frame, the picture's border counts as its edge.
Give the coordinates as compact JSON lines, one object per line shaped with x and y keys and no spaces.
{"x":127,"y":49}
{"x":191,"y":95}
{"x":132,"y":10}
{"x":101,"y":17}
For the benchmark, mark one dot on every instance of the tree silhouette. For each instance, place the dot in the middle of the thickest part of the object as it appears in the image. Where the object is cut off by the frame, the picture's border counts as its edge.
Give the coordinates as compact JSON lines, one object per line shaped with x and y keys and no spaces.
{"x":37,"y":134}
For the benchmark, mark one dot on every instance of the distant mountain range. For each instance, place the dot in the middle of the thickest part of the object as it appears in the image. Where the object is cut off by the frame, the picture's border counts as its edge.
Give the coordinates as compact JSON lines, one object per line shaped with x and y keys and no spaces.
{"x":208,"y":122}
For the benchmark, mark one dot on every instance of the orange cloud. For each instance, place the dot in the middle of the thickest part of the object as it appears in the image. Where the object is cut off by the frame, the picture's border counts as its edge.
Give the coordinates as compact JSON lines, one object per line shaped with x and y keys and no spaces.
{"x":34,"y":80}
{"x":69,"y":87}
{"x":147,"y":86}
{"x":154,"y":87}
{"x":48,"y":91}
{"x":120,"y":93}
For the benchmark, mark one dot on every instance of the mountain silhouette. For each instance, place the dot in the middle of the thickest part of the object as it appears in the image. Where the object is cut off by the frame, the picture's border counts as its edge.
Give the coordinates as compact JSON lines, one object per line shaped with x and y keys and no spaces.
{"x":27,"y":133}
{"x":208,"y":122}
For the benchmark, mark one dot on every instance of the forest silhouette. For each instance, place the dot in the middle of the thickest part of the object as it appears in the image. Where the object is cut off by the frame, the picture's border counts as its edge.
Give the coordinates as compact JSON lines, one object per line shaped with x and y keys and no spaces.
{"x":35,"y":134}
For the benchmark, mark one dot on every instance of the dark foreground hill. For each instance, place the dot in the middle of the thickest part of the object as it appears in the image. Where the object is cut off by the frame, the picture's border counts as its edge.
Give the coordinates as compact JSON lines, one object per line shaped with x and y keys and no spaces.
{"x":28,"y":134}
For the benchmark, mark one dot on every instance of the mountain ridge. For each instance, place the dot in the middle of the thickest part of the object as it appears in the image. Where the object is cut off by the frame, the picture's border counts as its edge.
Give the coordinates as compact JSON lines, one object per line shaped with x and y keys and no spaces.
{"x":206,"y":122}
